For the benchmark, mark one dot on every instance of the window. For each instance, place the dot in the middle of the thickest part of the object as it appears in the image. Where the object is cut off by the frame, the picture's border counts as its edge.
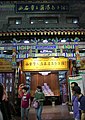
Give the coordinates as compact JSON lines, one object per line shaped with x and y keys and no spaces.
{"x":44,"y":20}
{"x":73,"y":20}
{"x":15,"y":20}
{"x":18,"y":21}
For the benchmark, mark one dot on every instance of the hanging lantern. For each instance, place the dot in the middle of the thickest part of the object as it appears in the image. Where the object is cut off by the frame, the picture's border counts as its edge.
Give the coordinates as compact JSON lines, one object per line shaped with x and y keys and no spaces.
{"x":72,"y":33}
{"x":31,"y":33}
{"x":0,"y":34}
{"x":82,"y":33}
{"x":41,"y":33}
{"x":68,"y":33}
{"x":75,"y":33}
{"x":10,"y":34}
{"x":65,"y":33}
{"x":34,"y":33}
{"x":38,"y":33}
{"x":27,"y":33}
{"x":45,"y":33}
{"x":3,"y":34}
{"x":59,"y":33}
{"x":7,"y":34}
{"x":78,"y":33}
{"x":51,"y":33}
{"x":24,"y":33}
{"x":48,"y":33}
{"x":14,"y":34}
{"x":20,"y":33}
{"x":17,"y":33}
{"x":55,"y":32}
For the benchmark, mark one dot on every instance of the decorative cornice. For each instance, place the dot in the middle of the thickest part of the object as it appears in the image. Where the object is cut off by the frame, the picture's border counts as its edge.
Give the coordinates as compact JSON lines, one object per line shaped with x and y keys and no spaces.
{"x":42,"y":32}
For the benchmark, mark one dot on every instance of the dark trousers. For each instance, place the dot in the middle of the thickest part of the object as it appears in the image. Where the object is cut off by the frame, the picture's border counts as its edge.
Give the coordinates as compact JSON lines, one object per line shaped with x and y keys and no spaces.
{"x":5,"y":110}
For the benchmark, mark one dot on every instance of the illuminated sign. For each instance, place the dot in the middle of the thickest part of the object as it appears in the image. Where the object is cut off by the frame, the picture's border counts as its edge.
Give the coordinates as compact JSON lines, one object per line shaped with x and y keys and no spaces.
{"x":41,"y":7}
{"x":43,"y":64}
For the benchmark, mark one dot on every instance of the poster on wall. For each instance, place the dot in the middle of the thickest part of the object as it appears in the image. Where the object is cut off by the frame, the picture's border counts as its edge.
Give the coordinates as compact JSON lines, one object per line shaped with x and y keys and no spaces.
{"x":77,"y":79}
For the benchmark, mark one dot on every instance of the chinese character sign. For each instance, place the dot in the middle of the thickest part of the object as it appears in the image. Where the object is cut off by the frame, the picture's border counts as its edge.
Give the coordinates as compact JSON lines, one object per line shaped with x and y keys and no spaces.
{"x":42,"y":64}
{"x":41,"y":7}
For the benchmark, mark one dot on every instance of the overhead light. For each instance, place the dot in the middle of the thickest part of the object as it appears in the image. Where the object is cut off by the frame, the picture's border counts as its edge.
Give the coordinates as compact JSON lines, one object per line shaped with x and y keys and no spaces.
{"x":75,"y":21}
{"x":26,"y":41}
{"x":5,"y":51}
{"x":45,"y":51}
{"x":63,"y":40}
{"x":45,"y":41}
{"x":32,"y":22}
{"x":46,"y":22}
{"x":44,"y":73}
{"x":18,"y":22}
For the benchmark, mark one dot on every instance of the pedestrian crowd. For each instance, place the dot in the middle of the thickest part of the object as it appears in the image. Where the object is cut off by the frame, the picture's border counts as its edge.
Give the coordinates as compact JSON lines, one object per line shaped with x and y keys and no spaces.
{"x":24,"y":97}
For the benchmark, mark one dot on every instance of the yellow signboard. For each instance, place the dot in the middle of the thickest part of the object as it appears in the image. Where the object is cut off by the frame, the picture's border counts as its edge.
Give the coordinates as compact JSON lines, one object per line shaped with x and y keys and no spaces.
{"x":45,"y":64}
{"x":5,"y":66}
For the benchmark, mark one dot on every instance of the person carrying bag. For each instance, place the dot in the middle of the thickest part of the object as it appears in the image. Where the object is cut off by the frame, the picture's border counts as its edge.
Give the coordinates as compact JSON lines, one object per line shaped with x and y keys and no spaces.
{"x":38,"y":102}
{"x":35,"y":104}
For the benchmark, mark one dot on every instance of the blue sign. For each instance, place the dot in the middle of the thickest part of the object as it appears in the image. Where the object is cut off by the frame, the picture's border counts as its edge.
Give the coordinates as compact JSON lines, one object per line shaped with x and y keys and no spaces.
{"x":45,"y":47}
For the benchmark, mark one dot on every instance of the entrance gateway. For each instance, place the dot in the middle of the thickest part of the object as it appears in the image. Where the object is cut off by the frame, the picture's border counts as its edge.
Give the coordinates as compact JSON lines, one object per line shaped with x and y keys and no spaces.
{"x":45,"y":72}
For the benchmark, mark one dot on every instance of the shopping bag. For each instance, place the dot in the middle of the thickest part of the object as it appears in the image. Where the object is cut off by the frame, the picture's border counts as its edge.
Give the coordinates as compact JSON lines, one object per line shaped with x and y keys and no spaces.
{"x":35,"y":104}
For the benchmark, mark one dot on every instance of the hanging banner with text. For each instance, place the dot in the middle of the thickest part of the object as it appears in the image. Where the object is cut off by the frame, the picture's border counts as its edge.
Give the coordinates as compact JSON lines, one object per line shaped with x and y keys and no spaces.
{"x":45,"y":64}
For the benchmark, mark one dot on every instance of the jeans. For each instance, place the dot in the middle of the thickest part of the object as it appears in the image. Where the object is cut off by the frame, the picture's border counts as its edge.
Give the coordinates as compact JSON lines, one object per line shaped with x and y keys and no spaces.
{"x":24,"y":113}
{"x":39,"y":112}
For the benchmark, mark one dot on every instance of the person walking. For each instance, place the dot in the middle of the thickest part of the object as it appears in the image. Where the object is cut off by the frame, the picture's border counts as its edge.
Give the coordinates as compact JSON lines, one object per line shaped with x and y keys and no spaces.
{"x":39,"y":96}
{"x":81,"y":99}
{"x":74,"y":103}
{"x":25,"y":104}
